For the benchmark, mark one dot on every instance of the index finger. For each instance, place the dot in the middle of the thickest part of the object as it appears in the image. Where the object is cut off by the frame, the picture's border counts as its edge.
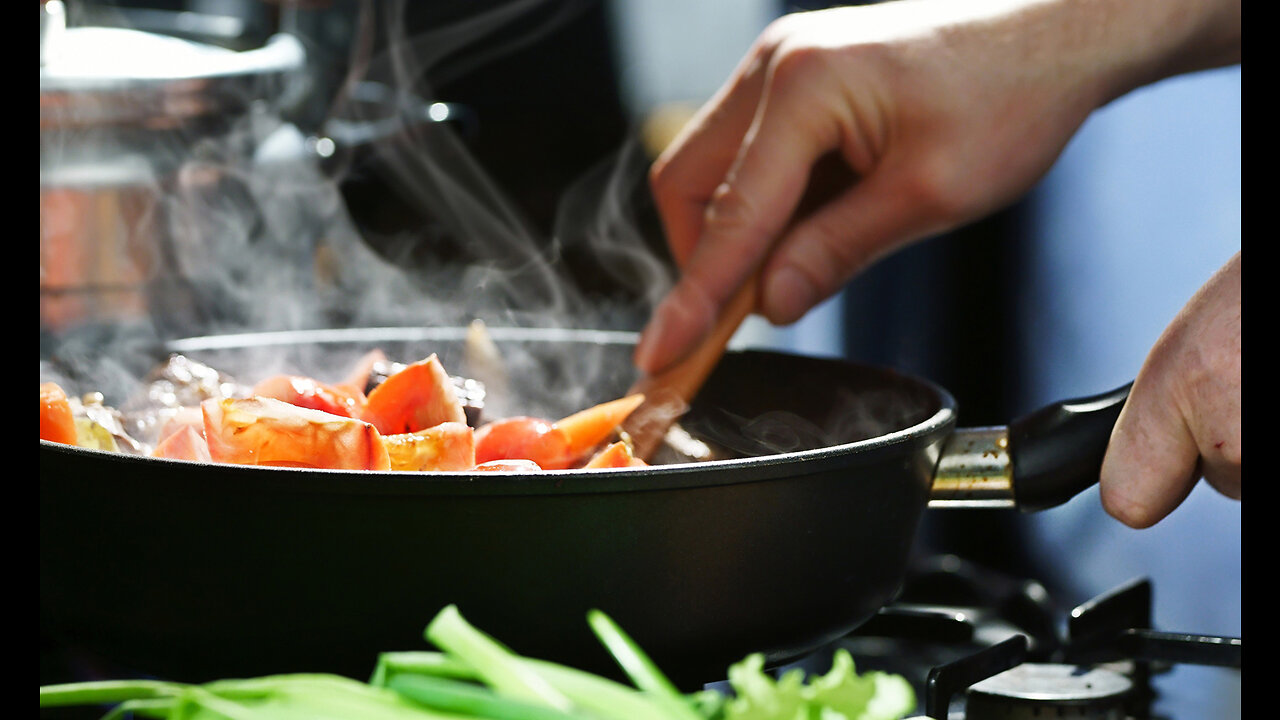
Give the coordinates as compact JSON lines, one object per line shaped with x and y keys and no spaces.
{"x":747,"y":212}
{"x":686,"y":174}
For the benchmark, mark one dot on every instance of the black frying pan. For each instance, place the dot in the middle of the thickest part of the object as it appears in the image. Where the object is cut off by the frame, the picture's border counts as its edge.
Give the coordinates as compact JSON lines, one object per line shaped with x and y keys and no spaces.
{"x":195,"y":571}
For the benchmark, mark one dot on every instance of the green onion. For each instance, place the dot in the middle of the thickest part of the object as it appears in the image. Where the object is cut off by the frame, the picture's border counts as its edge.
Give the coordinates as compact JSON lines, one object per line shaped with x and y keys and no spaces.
{"x":420,"y":662}
{"x":638,"y":666}
{"x":471,"y":700}
{"x":104,"y":692}
{"x":161,"y":708}
{"x":499,"y":667}
{"x":477,"y":677}
{"x":593,"y":693}
{"x":317,"y":696}
{"x":603,"y":696}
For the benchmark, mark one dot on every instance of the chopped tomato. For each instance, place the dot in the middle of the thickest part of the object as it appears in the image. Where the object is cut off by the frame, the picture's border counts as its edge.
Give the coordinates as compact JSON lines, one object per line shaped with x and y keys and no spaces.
{"x":418,"y":397}
{"x":358,"y":377}
{"x":615,"y":455}
{"x":586,"y":429}
{"x":57,"y":424}
{"x":524,"y":438}
{"x":310,"y":393}
{"x":185,"y":443}
{"x":266,"y":431}
{"x":553,"y":445}
{"x":186,"y":415}
{"x":515,"y":465}
{"x":447,"y":446}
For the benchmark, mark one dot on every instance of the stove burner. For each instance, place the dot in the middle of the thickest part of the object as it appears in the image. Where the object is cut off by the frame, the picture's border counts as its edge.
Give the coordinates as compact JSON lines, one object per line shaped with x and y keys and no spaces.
{"x":1102,"y":669}
{"x":1039,"y":690}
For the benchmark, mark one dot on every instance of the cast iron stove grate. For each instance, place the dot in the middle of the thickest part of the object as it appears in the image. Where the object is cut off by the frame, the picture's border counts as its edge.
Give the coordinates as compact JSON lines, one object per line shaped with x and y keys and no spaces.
{"x":998,"y":651}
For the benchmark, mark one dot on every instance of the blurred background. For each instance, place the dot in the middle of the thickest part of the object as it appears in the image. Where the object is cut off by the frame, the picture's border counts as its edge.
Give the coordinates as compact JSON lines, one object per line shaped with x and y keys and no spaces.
{"x":547,"y":114}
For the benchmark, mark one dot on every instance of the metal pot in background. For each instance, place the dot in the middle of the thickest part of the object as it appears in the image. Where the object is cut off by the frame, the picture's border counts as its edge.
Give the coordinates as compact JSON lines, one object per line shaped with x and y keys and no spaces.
{"x":143,"y":138}
{"x":179,"y":177}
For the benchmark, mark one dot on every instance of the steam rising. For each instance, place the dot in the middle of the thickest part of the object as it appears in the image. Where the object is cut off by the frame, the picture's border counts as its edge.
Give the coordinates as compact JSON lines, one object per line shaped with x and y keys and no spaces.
{"x":257,"y":235}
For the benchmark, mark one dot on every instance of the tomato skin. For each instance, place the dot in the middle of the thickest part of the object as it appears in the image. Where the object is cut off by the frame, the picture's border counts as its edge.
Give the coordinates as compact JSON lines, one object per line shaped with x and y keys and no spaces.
{"x":554,"y":445}
{"x":185,"y":443}
{"x":57,"y":424}
{"x":447,"y":446}
{"x":358,"y":377}
{"x":615,"y":455}
{"x":266,"y":431}
{"x":311,"y":393}
{"x":418,"y":397}
{"x":587,"y":429}
{"x":524,"y":438}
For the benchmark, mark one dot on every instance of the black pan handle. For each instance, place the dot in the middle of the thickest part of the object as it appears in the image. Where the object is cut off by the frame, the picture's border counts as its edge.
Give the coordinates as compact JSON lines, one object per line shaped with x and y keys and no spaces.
{"x":1057,"y":451}
{"x":1038,"y":461}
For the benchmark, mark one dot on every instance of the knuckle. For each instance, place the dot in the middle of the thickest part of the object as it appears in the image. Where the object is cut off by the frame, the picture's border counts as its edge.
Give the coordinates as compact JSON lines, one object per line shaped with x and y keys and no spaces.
{"x":937,"y":191}
{"x":836,"y":254}
{"x":669,"y":185}
{"x":795,"y":65}
{"x":661,"y":177}
{"x":729,"y":213}
{"x":777,"y":31}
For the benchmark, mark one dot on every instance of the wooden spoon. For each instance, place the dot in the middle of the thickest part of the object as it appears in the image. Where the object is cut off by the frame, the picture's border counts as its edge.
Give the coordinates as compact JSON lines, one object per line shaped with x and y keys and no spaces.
{"x":668,"y":394}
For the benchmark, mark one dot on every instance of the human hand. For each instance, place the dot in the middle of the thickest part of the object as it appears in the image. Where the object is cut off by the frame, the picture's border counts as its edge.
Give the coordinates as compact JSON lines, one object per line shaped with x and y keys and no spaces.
{"x":1182,"y":418}
{"x":943,"y":110}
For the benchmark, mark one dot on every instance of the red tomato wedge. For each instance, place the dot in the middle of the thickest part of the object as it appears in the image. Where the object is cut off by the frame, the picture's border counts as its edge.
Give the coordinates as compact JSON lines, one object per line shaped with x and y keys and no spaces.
{"x":185,"y":443}
{"x":553,"y":445}
{"x":586,"y":429}
{"x":311,"y":393}
{"x":615,"y":455}
{"x":266,"y":431}
{"x":358,"y":377}
{"x":447,"y":446}
{"x":57,"y":424}
{"x":187,"y":415}
{"x":524,"y":438}
{"x":418,"y":397}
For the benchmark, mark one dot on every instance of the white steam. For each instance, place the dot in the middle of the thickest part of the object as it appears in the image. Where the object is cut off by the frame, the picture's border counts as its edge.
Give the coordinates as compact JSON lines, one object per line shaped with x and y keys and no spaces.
{"x":255,"y":234}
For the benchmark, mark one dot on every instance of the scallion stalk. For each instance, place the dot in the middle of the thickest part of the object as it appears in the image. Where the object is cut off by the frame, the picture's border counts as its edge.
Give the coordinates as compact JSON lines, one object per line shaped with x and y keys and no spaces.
{"x":498,"y":666}
{"x":104,"y":692}
{"x":469,"y":700}
{"x":638,"y":666}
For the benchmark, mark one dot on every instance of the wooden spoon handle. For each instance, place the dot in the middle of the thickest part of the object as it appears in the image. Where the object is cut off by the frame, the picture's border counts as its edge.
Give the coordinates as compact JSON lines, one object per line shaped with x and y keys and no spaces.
{"x":668,"y":394}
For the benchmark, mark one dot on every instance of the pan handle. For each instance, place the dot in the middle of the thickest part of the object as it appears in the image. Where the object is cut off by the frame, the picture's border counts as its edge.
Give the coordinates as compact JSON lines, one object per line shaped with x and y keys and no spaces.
{"x":1057,"y":450}
{"x":1038,"y":461}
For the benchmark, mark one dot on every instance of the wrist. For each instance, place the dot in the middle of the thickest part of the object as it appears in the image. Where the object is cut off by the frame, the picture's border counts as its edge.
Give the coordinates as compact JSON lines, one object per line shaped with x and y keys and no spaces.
{"x":1098,"y":50}
{"x":1127,"y":44}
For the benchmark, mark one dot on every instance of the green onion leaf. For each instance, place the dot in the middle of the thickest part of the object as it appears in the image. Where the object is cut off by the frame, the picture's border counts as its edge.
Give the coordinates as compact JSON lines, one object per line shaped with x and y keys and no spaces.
{"x":471,"y":700}
{"x":421,"y":662}
{"x":638,"y":666}
{"x":105,"y":692}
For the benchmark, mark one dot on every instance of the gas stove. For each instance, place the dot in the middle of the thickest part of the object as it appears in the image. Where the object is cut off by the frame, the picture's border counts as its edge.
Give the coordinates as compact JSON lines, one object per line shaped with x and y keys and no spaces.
{"x":976,"y":644}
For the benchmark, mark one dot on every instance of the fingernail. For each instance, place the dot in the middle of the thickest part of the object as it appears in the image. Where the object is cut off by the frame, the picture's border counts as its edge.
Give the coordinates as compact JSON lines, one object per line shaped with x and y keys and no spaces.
{"x":788,"y":294}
